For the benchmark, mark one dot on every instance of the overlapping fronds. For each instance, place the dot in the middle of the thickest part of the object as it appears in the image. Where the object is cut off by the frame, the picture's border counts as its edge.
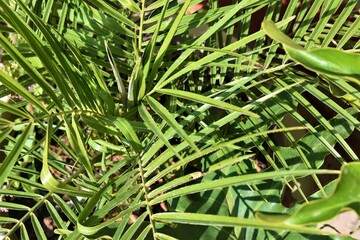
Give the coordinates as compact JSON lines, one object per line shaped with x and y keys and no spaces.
{"x":126,"y":117}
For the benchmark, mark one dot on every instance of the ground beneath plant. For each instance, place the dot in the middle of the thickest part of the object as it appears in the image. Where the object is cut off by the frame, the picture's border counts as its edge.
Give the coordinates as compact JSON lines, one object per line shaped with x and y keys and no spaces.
{"x":347,"y":223}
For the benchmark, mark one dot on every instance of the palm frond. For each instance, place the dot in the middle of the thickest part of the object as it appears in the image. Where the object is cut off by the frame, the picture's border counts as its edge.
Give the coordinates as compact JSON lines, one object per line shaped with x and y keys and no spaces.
{"x":135,"y":119}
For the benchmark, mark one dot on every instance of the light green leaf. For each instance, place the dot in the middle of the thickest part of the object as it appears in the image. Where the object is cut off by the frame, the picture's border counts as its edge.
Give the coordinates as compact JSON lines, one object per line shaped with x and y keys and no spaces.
{"x":166,"y":79}
{"x":131,"y":5}
{"x":19,"y":193}
{"x":14,"y":206}
{"x":121,"y":227}
{"x":128,"y":131}
{"x":91,"y":230}
{"x":23,"y":232}
{"x":149,"y":121}
{"x":225,"y":221}
{"x":78,"y":145}
{"x":39,"y":232}
{"x":232,"y":181}
{"x":162,"y":236}
{"x":135,"y":226}
{"x":229,"y":162}
{"x":119,"y":81}
{"x":100,"y":123}
{"x":137,"y":85}
{"x":273,"y":31}
{"x":113,"y":12}
{"x":88,"y":223}
{"x":169,"y":36}
{"x":149,"y":50}
{"x":47,"y":178}
{"x":115,"y":126}
{"x":55,"y":215}
{"x":65,"y":208}
{"x":102,"y":145}
{"x":7,"y":220}
{"x":330,"y":61}
{"x":10,"y":108}
{"x":144,"y":233}
{"x":33,"y":73}
{"x":12,"y":157}
{"x":213,"y":148}
{"x":166,"y":115}
{"x":37,"y":46}
{"x":16,"y":87}
{"x":206,"y":100}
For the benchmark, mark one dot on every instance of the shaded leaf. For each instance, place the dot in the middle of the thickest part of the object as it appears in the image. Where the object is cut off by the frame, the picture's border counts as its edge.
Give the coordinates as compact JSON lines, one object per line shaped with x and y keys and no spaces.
{"x":12,"y":157}
{"x":346,"y":195}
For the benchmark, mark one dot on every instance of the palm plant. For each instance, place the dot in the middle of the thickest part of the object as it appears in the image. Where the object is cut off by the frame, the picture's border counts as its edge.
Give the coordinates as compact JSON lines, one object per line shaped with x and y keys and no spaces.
{"x":127,"y":122}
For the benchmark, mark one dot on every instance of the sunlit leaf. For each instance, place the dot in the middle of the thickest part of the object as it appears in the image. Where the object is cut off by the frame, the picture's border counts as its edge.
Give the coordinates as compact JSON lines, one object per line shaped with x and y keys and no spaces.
{"x":330,"y":61}
{"x":49,"y":181}
{"x":206,"y":100}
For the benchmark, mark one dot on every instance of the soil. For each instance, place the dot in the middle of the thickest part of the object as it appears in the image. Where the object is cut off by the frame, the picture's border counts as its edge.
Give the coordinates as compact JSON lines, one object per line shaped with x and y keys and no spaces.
{"x":347,"y":223}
